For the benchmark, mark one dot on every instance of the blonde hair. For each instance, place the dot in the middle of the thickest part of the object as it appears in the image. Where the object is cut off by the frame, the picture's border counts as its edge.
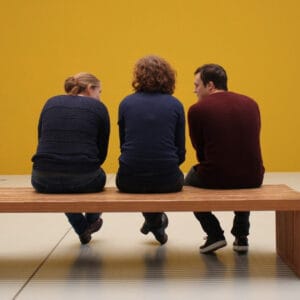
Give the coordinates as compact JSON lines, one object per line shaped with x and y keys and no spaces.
{"x":78,"y":83}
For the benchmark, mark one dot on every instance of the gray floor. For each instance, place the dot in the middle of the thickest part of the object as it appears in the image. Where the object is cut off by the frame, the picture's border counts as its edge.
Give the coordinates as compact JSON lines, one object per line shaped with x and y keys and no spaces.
{"x":41,"y":258}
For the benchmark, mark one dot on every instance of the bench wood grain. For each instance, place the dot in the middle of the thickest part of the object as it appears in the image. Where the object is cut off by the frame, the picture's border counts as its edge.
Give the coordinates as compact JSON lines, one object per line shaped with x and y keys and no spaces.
{"x":280,"y":198}
{"x":268,"y":197}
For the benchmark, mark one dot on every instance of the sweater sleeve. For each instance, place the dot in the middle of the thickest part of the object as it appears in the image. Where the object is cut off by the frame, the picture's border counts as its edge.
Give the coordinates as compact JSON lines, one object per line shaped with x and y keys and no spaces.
{"x":180,"y":136}
{"x":121,"y":123}
{"x":103,"y":137}
{"x":40,"y":127}
{"x":196,"y":132}
{"x":40,"y":124}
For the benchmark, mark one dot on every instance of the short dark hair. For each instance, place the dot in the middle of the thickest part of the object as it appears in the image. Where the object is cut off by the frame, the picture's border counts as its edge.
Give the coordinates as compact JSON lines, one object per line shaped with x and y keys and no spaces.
{"x":214,"y":73}
{"x":153,"y":74}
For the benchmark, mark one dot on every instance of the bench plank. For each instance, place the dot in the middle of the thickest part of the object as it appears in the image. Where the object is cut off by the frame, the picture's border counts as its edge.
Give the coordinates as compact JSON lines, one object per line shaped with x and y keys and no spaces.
{"x":267,"y":197}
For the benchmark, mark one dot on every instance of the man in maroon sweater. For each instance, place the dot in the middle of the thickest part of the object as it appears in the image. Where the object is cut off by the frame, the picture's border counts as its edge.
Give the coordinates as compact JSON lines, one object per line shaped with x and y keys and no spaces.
{"x":224,"y":130}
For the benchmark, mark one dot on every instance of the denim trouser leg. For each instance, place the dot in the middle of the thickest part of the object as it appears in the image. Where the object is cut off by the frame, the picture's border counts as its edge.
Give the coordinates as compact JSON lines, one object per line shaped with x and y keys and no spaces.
{"x":46,"y":182}
{"x":153,"y":219}
{"x":166,"y":183}
{"x":92,"y":217}
{"x":241,"y":223}
{"x":210,"y":224}
{"x":208,"y":221}
{"x":78,"y":222}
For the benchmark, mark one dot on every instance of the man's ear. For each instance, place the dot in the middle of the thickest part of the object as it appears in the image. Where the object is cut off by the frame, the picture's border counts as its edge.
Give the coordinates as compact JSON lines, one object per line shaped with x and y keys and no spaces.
{"x":211,"y":86}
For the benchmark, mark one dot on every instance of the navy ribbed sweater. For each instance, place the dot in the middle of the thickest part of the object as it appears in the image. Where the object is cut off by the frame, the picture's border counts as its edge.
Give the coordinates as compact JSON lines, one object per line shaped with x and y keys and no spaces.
{"x":152,"y":133}
{"x":73,"y":135}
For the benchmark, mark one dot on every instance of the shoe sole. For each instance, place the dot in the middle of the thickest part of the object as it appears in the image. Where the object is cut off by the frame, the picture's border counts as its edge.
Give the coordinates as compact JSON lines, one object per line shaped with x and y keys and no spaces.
{"x":213,"y":247}
{"x":240,"y":249}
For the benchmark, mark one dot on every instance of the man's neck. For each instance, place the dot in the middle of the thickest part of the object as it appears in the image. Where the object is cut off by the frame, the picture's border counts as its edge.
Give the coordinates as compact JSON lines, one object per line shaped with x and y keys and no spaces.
{"x":217,"y":91}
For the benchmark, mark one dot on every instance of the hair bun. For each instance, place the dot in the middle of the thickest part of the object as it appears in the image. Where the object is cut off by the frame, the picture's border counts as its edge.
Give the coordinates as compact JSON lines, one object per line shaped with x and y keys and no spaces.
{"x":70,"y":83}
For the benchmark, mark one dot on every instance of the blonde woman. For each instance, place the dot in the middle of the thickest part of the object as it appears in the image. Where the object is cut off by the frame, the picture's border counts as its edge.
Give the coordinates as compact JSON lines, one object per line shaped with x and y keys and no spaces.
{"x":73,"y":135}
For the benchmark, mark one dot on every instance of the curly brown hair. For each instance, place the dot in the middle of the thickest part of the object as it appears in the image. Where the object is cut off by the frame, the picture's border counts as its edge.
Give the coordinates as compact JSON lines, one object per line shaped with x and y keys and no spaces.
{"x":153,"y":74}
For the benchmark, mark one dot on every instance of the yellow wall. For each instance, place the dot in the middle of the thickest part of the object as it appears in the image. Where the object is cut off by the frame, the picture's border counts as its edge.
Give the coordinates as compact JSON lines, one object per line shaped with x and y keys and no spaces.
{"x":43,"y":42}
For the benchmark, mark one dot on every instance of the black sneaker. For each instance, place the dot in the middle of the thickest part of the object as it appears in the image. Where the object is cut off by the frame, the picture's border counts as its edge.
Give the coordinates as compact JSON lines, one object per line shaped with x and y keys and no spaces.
{"x":240,"y":244}
{"x":94,"y":227}
{"x":212,"y":244}
{"x":158,"y":232}
{"x":85,"y":237}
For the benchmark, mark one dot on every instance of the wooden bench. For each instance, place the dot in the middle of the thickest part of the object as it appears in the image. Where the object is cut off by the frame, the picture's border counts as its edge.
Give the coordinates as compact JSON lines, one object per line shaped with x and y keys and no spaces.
{"x":279,"y":198}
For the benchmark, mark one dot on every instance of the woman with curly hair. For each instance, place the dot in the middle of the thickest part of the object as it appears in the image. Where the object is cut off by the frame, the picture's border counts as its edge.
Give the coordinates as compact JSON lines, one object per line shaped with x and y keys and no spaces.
{"x":152,"y":138}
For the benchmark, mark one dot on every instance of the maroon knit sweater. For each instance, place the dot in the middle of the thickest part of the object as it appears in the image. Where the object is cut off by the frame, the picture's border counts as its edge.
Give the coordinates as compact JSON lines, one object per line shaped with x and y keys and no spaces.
{"x":224,"y":130}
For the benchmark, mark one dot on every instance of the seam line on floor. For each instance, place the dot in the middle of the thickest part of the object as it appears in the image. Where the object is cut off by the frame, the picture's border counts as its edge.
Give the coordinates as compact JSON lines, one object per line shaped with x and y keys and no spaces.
{"x":39,"y":266}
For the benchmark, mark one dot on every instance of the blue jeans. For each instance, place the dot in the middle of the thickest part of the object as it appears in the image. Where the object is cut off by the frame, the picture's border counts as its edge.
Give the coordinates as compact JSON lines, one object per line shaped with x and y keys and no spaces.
{"x":59,"y":183}
{"x":209,"y":222}
{"x":150,"y":183}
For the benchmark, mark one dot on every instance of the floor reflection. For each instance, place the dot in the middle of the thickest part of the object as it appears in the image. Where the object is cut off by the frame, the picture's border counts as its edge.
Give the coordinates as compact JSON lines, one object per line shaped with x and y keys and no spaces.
{"x":213,"y":266}
{"x":155,"y":264}
{"x":87,"y":265}
{"x":159,"y":263}
{"x":241,"y":265}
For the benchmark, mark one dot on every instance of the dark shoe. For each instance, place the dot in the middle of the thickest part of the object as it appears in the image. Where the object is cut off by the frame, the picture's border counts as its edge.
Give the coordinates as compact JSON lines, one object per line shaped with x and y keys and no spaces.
{"x":158,"y":232}
{"x":240,"y":244}
{"x":85,"y":237}
{"x":212,"y":244}
{"x":94,"y":227}
{"x":145,"y":228}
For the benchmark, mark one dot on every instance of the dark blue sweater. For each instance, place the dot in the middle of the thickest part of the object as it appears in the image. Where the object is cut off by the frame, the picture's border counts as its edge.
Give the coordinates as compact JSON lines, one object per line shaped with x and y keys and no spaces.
{"x":73,"y":134}
{"x":152,"y":133}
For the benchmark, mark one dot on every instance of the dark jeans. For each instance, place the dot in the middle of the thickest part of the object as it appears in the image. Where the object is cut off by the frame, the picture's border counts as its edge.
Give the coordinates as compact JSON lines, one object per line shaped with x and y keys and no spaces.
{"x":59,"y":183}
{"x":209,"y":222}
{"x":149,"y":183}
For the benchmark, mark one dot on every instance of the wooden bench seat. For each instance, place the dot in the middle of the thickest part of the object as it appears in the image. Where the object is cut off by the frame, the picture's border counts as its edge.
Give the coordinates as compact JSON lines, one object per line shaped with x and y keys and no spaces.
{"x":279,"y":198}
{"x":268,"y":197}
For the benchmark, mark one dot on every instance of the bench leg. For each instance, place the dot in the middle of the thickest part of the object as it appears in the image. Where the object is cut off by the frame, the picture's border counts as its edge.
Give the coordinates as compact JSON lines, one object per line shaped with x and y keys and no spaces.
{"x":288,"y":238}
